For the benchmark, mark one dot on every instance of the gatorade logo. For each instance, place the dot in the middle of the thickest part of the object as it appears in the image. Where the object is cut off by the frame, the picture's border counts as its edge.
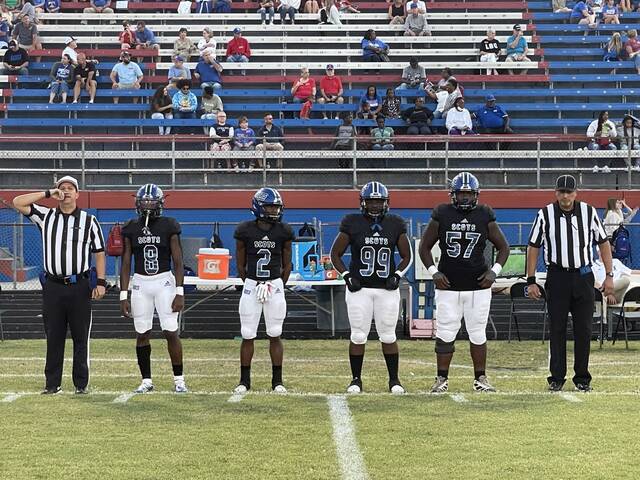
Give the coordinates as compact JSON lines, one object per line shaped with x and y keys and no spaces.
{"x":212,"y":266}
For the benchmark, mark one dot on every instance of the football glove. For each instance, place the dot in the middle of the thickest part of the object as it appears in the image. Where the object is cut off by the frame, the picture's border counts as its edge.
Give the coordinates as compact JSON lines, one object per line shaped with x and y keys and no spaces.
{"x":264,"y":290}
{"x":353,"y":284}
{"x":393,"y":282}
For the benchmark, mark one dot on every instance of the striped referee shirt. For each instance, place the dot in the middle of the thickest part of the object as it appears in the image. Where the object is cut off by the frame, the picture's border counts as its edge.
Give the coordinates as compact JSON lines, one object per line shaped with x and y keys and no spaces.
{"x":67,"y":239}
{"x":567,"y":237}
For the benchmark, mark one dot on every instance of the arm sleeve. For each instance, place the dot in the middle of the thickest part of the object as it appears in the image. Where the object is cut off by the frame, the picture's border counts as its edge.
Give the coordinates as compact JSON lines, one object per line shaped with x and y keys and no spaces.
{"x":537,"y":231}
{"x":37,"y":214}
{"x":97,"y":239}
{"x":599,"y":235}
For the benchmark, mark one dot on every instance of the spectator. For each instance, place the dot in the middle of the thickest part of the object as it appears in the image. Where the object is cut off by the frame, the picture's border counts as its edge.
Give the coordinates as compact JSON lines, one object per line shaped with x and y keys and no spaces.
{"x":396,"y":13}
{"x":15,"y":60}
{"x":207,"y":42}
{"x":615,"y":215}
{"x":493,"y":118}
{"x":28,"y":10}
{"x":413,"y":76}
{"x":490,"y":50}
{"x":347,"y":7}
{"x":222,"y":6}
{"x":208,"y":71}
{"x":162,"y":108}
{"x":365,"y":113}
{"x":38,"y":7}
{"x":203,"y":6}
{"x":127,"y":37}
{"x":374,"y":49}
{"x":98,"y":6}
{"x":446,"y":103}
{"x":52,"y":6}
{"x":289,"y":7}
{"x":415,"y":24}
{"x":345,"y":138}
{"x":185,"y":103}
{"x":60,"y":77}
{"x":183,"y":46}
{"x":459,"y":120}
{"x":178,"y":72}
{"x":611,"y":13}
{"x":331,"y":89}
{"x":4,"y":33}
{"x":266,"y":8}
{"x":614,"y":51}
{"x":560,"y":6}
{"x":445,"y":75}
{"x":419,"y":118}
{"x":311,"y":6}
{"x":71,"y":49}
{"x":238,"y":49}
{"x":305,"y":87}
{"x":126,"y":75}
{"x":222,"y":135}
{"x":422,"y":7}
{"x":390,"y":105}
{"x":626,"y":5}
{"x":517,"y":48}
{"x":583,"y":14}
{"x":601,"y":133}
{"x":628,"y":133}
{"x":211,"y":105}
{"x":372,"y":99}
{"x":382,"y":137}
{"x":85,"y":76}
{"x":632,"y":48}
{"x":145,"y":38}
{"x":271,"y":139}
{"x":329,"y":13}
{"x":26,"y":33}
{"x":244,"y":139}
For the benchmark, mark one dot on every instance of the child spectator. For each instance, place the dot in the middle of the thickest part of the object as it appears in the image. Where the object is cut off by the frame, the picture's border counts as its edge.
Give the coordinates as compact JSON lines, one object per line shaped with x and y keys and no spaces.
{"x":517,"y":48}
{"x":632,"y":48}
{"x":601,"y":133}
{"x":459,"y":120}
{"x":185,"y":103}
{"x":127,"y":38}
{"x":611,"y":13}
{"x":178,"y":72}
{"x":61,"y":76}
{"x":628,"y":133}
{"x":372,"y":99}
{"x":207,"y":42}
{"x":222,"y":135}
{"x":211,"y":105}
{"x":419,"y":118}
{"x":614,"y":50}
{"x":390,"y":105}
{"x":490,"y":50}
{"x":238,"y":49}
{"x":344,"y":138}
{"x":244,"y":138}
{"x":396,"y":13}
{"x":162,"y":108}
{"x":330,"y":89}
{"x":266,"y":8}
{"x":381,"y":136}
{"x":365,"y":113}
{"x":183,"y":46}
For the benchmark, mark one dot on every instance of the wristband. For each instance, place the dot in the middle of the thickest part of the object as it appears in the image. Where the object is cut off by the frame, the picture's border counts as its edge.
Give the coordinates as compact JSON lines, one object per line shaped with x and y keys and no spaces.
{"x":123,"y":295}
{"x":47,"y":193}
{"x":101,"y":282}
{"x":497,"y":268}
{"x":432,"y":270}
{"x":345,"y":273}
{"x":180,"y":291}
{"x":399,"y":273}
{"x":531,"y":280}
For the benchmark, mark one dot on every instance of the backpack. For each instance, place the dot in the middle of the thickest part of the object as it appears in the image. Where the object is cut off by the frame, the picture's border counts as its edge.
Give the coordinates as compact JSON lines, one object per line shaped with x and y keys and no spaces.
{"x":115,"y":244}
{"x":216,"y":241}
{"x":621,"y":243}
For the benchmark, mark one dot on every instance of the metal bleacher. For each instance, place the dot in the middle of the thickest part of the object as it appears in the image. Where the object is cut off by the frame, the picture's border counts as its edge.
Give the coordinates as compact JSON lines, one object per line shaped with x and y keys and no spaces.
{"x":566,"y":86}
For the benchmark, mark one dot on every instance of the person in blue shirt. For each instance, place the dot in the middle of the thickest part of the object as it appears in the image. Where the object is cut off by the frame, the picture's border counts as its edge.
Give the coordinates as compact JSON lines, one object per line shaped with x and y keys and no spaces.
{"x":372,"y":99}
{"x":374,"y":49}
{"x":185,"y":104}
{"x":126,"y":75}
{"x":145,"y":38}
{"x":583,"y":14}
{"x":61,"y":76}
{"x":98,"y":6}
{"x":244,"y":139}
{"x":208,"y":70}
{"x":611,"y":13}
{"x":517,"y":48}
{"x":493,"y":119}
{"x":4,"y":33}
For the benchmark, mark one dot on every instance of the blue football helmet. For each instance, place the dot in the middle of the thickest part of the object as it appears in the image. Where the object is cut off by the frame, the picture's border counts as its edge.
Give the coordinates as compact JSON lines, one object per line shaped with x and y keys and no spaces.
{"x":149,"y":201}
{"x":374,"y":191}
{"x":464,"y":182}
{"x":262,"y":198}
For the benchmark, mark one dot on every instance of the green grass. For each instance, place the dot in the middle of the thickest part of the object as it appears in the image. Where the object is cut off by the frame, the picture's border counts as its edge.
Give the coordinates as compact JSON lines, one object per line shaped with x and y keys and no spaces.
{"x":521,"y":433}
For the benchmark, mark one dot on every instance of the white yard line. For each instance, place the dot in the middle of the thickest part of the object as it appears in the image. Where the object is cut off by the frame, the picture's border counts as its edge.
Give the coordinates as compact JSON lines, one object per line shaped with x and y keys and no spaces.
{"x":124,"y":398}
{"x":11,"y":397}
{"x":570,"y":397}
{"x":458,"y":398}
{"x":344,"y":436}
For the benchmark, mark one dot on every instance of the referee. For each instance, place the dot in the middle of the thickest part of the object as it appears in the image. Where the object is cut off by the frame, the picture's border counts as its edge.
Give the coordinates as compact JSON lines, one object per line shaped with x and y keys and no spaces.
{"x":69,"y":236}
{"x":568,"y":229}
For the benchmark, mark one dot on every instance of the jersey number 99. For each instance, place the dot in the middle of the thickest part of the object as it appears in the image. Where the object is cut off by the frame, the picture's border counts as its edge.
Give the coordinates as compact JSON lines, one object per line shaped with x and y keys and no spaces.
{"x":371,"y":261}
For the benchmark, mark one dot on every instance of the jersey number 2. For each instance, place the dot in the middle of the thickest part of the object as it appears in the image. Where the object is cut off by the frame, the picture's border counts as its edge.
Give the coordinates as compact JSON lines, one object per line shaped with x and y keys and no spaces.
{"x":263,"y":261}
{"x":151,"y":264}
{"x":368,"y":259}
{"x":454,"y":247}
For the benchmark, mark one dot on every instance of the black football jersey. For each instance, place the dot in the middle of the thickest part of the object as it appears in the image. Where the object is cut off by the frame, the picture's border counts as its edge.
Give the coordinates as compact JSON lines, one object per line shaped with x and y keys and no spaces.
{"x":151,"y":245}
{"x":462,"y":239}
{"x":372,"y":249}
{"x":264,"y":248}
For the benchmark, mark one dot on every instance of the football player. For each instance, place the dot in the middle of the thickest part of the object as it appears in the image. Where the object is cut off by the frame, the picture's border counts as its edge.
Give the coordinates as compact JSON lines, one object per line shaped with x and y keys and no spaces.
{"x":263,"y":256}
{"x":462,"y":279}
{"x":154,"y":242}
{"x":372,"y":278}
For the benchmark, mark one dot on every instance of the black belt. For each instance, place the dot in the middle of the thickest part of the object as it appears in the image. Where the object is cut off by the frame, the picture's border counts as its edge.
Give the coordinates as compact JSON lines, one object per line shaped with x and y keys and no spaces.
{"x":70,"y":280}
{"x":556,"y":268}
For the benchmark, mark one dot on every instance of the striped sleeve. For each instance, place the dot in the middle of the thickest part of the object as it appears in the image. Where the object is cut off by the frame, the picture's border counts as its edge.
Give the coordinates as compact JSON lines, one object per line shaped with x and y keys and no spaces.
{"x":37,"y":214}
{"x":537,"y":231}
{"x":599,"y":234}
{"x":97,"y":239}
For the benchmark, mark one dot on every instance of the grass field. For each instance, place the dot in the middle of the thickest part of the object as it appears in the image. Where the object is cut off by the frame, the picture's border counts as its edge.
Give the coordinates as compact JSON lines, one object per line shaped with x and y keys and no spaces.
{"x":522,"y":432}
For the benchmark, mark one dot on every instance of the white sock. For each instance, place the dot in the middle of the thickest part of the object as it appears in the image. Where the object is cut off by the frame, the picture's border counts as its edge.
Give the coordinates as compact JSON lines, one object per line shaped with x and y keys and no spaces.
{"x":178,"y":378}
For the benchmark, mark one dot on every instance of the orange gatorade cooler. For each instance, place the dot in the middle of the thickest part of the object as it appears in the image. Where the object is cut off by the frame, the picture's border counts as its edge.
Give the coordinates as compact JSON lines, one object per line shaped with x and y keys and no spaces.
{"x":213,"y":263}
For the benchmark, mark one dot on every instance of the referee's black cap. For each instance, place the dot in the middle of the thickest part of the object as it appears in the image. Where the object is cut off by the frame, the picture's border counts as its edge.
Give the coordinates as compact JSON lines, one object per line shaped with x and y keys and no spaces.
{"x":566,"y":182}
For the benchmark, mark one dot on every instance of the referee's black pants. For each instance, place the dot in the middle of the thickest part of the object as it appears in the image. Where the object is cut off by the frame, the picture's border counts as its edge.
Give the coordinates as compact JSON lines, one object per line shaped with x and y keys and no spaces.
{"x":569,"y":292}
{"x":67,"y":306}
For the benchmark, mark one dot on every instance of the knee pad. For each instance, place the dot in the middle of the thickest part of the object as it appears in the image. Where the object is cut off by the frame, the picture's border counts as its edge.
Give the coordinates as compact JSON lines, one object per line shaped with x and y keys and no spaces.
{"x":358,"y":337}
{"x":445,"y":347}
{"x":247,"y":333}
{"x":477,"y":336}
{"x":274,"y":331}
{"x":388,"y":337}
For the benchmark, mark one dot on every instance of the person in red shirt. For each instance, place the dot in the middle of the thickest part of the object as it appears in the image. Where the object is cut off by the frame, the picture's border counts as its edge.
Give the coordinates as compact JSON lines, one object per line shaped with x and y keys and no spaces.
{"x":238,"y":49}
{"x":305,"y":88}
{"x":632,"y":47}
{"x":331,"y":90}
